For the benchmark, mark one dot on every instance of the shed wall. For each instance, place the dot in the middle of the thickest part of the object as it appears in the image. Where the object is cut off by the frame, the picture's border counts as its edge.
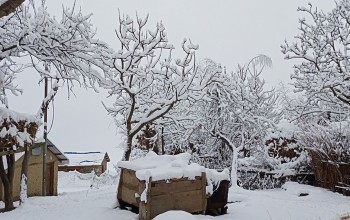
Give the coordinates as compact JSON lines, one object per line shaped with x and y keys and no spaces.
{"x":34,"y":176}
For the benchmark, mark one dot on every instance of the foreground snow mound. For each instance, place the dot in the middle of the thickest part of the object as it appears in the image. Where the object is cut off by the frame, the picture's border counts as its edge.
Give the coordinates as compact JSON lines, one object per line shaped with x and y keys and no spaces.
{"x":175,"y":215}
{"x":300,"y":189}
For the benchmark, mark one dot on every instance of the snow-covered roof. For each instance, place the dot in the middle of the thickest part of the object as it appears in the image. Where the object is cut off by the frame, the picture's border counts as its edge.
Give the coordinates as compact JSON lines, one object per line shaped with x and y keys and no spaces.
{"x":83,"y":158}
{"x":50,"y":146}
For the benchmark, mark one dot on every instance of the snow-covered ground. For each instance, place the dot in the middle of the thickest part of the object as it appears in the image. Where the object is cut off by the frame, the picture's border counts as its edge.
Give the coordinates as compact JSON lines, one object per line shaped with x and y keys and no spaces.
{"x":80,"y":197}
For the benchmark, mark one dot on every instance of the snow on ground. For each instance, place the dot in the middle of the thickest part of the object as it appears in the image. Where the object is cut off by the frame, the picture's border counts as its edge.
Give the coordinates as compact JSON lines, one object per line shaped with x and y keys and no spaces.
{"x":83,"y":197}
{"x":286,"y":204}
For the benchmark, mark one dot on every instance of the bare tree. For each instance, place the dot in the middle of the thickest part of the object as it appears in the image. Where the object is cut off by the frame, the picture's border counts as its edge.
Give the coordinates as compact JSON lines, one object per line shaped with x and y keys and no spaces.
{"x":323,"y":47}
{"x":67,"y":46}
{"x":241,"y":110}
{"x":144,"y":79}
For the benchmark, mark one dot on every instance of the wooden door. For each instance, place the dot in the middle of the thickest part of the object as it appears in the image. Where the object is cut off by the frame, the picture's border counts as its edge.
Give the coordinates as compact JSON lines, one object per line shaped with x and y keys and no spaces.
{"x":49,"y":179}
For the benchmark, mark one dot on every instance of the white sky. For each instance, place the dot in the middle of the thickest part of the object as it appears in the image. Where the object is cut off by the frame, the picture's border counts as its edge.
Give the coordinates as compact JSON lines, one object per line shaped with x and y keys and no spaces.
{"x":227,"y":31}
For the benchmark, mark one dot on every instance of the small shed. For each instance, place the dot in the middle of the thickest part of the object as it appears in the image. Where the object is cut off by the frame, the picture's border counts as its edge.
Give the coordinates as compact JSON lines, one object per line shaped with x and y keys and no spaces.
{"x":155,"y":184}
{"x":85,"y":162}
{"x":35,"y":171}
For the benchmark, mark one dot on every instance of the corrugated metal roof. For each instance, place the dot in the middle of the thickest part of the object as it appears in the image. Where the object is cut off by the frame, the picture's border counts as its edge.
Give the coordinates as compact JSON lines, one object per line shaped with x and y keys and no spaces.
{"x":61,"y":157}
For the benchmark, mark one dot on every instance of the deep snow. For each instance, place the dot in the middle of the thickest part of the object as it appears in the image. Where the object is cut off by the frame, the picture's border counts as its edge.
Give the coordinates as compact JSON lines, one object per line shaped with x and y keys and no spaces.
{"x":78,"y":200}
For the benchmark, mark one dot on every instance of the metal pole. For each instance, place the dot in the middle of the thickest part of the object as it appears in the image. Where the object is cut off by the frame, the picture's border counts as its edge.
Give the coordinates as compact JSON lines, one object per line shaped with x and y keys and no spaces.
{"x":45,"y":142}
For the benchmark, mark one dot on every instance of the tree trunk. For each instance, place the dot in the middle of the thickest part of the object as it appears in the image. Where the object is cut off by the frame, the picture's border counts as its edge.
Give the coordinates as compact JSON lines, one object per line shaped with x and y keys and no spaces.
{"x":25,"y":163}
{"x":163,"y":141}
{"x":24,"y":174}
{"x":128,"y":149}
{"x":234,"y":178}
{"x":7,"y":180}
{"x":9,"y":6}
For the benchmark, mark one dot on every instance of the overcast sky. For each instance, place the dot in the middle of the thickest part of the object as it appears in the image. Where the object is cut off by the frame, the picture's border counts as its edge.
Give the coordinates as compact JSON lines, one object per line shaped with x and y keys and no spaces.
{"x":227,"y":31}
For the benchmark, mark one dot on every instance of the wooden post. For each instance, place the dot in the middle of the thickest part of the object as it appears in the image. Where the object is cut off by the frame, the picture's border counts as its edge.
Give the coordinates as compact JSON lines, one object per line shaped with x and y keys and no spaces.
{"x":119,"y":193}
{"x":204,"y":193}
{"x":44,"y":150}
{"x":145,"y":207}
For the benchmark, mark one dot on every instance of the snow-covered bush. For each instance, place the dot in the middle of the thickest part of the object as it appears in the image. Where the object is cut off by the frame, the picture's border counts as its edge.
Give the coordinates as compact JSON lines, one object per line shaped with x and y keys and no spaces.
{"x":330,"y":142}
{"x":322,"y":48}
{"x":233,"y":117}
{"x":283,"y":149}
{"x":323,"y":78}
{"x":148,"y":139}
{"x":138,"y":153}
{"x":329,"y":147}
{"x":279,"y":159}
{"x":259,"y":180}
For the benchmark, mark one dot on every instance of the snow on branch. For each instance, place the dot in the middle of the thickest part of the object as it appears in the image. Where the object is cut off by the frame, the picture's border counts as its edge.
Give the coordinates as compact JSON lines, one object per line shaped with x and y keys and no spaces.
{"x":45,"y":103}
{"x":145,"y":80}
{"x":17,"y":129}
{"x":68,"y":45}
{"x":322,"y":45}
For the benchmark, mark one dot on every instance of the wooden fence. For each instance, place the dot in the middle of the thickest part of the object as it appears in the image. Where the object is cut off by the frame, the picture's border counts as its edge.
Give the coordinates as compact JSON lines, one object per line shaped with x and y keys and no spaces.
{"x":330,"y":174}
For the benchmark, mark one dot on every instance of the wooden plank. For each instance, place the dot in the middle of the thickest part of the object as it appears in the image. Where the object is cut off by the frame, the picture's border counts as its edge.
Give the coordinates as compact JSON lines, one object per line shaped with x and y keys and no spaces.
{"x":128,"y":186}
{"x":131,"y":187}
{"x":204,"y":193}
{"x":50,"y":179}
{"x":183,"y":185}
{"x":145,"y":207}
{"x":142,"y":187}
{"x":127,"y":195}
{"x":187,"y":201}
{"x":176,"y":179}
{"x":149,"y":199}
{"x":129,"y":178}
{"x":178,"y":194}
{"x":175,"y":194}
{"x":119,"y":193}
